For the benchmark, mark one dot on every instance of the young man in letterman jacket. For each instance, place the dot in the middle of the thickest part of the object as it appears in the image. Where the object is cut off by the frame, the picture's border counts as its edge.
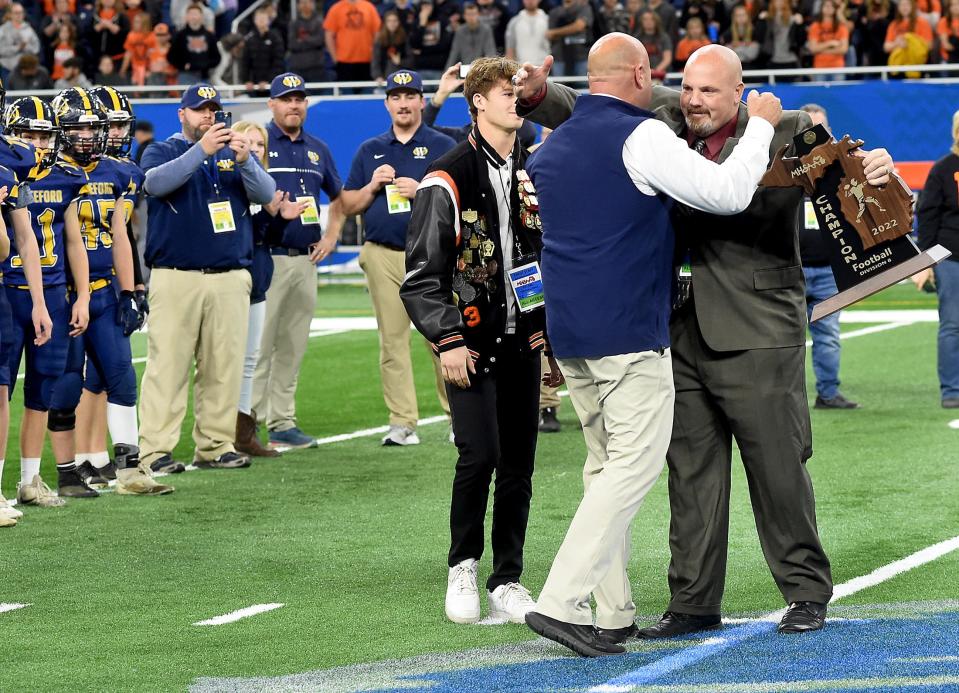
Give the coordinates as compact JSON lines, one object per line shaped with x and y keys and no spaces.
{"x":475,"y":218}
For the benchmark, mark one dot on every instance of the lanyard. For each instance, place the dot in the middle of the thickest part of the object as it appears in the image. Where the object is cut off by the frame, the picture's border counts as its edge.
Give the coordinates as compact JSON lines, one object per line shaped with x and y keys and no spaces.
{"x":509,"y":207}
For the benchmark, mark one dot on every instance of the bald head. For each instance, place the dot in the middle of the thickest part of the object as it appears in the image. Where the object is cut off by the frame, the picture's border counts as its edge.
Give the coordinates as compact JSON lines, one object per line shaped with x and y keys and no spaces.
{"x":712,"y":89}
{"x":720,"y":60}
{"x":619,"y":66}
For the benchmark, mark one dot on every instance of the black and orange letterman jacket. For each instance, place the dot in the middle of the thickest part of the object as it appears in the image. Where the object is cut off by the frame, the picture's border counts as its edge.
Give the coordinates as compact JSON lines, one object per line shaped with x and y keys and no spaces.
{"x":455,"y":288}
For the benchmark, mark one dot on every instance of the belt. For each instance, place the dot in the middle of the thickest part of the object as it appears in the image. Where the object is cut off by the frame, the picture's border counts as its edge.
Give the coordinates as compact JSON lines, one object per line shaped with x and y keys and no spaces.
{"x":203,"y":270}
{"x":292,"y":252}
{"x":398,"y":248}
{"x":95,"y":285}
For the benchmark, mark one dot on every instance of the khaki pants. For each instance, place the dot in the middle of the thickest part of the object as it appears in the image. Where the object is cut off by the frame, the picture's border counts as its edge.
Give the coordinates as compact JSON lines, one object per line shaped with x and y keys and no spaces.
{"x":625,"y":404}
{"x":290,"y":305}
{"x":548,"y":396}
{"x":201,"y":317}
{"x":385,"y":270}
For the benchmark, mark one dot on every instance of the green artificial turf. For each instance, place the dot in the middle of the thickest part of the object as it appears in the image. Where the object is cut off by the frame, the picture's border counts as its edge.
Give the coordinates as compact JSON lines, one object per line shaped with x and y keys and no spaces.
{"x":352,"y":537}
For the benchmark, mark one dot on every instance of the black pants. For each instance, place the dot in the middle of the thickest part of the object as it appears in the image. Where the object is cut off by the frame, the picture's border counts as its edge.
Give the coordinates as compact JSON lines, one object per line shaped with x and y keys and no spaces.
{"x":495,"y":423}
{"x":758,"y":397}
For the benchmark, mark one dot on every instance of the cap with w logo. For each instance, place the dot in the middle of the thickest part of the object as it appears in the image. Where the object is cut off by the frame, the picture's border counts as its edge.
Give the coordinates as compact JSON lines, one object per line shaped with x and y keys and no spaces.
{"x":199,"y":95}
{"x":287,"y":83}
{"x":404,"y":79}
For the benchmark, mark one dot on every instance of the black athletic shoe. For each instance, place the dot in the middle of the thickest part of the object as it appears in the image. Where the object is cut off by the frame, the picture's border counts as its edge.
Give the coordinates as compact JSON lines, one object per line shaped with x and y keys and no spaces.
{"x":583,"y":640}
{"x":166,"y":465}
{"x":617,"y":636}
{"x":72,"y":485}
{"x":91,"y":475}
{"x":803,"y":617}
{"x":548,"y":423}
{"x":109,"y":472}
{"x":228,"y":460}
{"x":673,"y":624}
{"x":837,"y":402}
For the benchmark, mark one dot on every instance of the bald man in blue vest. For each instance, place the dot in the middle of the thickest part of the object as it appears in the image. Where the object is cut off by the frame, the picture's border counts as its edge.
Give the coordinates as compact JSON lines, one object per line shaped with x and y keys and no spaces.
{"x":608,"y":296}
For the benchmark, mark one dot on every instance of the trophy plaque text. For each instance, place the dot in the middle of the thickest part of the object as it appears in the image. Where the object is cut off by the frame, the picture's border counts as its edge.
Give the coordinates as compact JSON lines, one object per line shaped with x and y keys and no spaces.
{"x":864,"y":228}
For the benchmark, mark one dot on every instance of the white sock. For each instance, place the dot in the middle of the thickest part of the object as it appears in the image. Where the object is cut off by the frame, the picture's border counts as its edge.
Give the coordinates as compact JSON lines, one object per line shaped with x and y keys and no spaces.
{"x":84,"y":457}
{"x":29,"y":468}
{"x":99,"y":459}
{"x":1,"y":471}
{"x":122,"y":422}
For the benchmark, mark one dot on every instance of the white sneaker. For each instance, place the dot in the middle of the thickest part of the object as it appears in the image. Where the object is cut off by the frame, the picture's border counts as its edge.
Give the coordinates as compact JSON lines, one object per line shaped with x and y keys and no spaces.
{"x":462,"y":595}
{"x":510,"y":602}
{"x":401,"y":435}
{"x":7,"y":510}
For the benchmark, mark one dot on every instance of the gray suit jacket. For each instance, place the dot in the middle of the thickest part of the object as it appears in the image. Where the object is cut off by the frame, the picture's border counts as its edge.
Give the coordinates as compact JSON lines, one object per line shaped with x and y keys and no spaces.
{"x":748,"y":283}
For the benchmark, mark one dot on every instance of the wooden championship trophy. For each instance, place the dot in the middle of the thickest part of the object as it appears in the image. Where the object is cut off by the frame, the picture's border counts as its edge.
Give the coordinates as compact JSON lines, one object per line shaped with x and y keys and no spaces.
{"x":865,"y":229}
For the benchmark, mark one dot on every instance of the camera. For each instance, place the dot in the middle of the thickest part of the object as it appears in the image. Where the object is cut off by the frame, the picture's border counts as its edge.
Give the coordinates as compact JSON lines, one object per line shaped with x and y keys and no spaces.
{"x":225,"y":117}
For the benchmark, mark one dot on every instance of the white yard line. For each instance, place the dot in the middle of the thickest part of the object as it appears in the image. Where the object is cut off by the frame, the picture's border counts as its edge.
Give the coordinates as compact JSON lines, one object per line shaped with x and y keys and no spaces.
{"x":11,"y":607}
{"x":237,"y":615}
{"x":714,"y":645}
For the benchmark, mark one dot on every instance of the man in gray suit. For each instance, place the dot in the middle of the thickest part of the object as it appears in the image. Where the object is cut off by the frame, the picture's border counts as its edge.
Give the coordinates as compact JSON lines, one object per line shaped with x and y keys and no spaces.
{"x":738,"y":345}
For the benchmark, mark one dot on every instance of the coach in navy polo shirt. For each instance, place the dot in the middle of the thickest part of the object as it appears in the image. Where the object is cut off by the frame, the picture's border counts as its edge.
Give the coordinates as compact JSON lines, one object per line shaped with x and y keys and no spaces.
{"x":201,"y":182}
{"x":302,"y":167}
{"x":381,"y":186}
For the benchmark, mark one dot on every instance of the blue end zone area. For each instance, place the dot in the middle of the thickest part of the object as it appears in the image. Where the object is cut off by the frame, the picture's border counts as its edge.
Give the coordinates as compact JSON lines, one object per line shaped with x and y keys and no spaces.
{"x":890,"y":647}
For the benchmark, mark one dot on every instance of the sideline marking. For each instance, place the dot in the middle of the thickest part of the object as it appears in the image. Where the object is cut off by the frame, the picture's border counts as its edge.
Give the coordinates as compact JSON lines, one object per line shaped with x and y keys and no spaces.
{"x":680,"y":660}
{"x":11,"y":607}
{"x":237,"y":615}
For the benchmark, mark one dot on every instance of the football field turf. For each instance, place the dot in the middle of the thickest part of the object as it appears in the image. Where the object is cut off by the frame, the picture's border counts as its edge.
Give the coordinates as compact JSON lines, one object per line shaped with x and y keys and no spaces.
{"x":351,"y":539}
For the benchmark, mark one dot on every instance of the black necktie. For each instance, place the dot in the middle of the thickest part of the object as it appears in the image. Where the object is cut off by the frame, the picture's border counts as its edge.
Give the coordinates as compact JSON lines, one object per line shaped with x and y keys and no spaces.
{"x":684,"y":282}
{"x":699,"y":146}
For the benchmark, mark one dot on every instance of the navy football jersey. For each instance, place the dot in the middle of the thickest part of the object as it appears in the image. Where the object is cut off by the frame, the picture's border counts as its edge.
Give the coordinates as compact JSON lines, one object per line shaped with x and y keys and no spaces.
{"x":52,"y":191}
{"x":107,"y":183}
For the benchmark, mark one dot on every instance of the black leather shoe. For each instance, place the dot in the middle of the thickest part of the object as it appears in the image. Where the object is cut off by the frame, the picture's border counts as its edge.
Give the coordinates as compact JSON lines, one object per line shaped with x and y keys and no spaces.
{"x":950,"y":403}
{"x":837,"y":402}
{"x":673,"y":624}
{"x":617,"y":636}
{"x":583,"y":640}
{"x":548,"y":423}
{"x":803,"y":617}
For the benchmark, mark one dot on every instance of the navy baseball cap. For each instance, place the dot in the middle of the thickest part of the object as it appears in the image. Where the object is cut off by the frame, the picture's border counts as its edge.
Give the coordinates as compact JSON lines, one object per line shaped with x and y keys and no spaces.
{"x":287,"y":83}
{"x":404,"y":79}
{"x":200,"y":95}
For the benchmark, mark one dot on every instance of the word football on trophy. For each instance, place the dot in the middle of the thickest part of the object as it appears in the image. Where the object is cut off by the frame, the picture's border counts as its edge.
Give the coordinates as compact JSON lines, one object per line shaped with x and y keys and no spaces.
{"x":865,"y":228}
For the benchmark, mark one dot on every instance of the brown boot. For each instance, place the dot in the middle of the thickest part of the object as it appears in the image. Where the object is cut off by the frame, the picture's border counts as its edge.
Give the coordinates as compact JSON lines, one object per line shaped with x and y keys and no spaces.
{"x":246,"y":440}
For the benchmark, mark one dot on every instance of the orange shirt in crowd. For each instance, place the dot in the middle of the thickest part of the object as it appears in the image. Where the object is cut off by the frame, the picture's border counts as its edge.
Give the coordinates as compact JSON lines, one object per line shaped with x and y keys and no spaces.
{"x":686,"y":46}
{"x":820,"y":33}
{"x":137,"y":46}
{"x":922,"y":30}
{"x":62,"y":53}
{"x":355,"y":25}
{"x":929,"y":6}
{"x":950,"y":28}
{"x":158,"y":64}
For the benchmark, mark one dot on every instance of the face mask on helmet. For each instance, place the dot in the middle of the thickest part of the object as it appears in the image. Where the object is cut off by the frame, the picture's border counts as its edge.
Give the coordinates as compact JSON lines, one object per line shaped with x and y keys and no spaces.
{"x":85,"y":142}
{"x":119,"y":135}
{"x":35,"y":123}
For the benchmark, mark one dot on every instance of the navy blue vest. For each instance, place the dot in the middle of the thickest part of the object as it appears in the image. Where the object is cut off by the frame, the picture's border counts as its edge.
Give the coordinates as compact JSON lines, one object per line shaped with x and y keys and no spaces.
{"x":607,"y":247}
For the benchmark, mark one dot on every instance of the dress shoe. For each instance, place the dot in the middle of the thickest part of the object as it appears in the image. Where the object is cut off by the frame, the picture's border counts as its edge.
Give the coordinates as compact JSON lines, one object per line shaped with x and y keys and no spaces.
{"x":673,"y":624}
{"x":837,"y":402}
{"x":583,"y":640}
{"x":803,"y":617}
{"x":548,"y":423}
{"x":617,"y":636}
{"x":950,"y":402}
{"x":247,"y":441}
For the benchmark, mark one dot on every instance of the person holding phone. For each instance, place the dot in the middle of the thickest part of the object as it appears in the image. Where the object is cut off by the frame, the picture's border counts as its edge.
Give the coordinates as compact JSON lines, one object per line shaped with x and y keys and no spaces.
{"x":200,"y":283}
